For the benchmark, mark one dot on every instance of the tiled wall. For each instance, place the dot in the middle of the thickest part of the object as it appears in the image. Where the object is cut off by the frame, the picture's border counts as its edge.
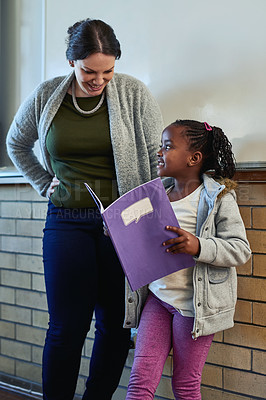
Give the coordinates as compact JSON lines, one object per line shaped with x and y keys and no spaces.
{"x":236,"y":364}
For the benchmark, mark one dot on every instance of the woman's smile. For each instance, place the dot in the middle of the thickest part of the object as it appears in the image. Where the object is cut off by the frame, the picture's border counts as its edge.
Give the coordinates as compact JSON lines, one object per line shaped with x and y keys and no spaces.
{"x":95,"y":88}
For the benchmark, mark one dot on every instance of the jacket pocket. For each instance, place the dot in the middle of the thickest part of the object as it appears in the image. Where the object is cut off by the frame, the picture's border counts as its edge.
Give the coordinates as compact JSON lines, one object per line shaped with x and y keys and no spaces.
{"x":220,"y":293}
{"x":218,"y":275}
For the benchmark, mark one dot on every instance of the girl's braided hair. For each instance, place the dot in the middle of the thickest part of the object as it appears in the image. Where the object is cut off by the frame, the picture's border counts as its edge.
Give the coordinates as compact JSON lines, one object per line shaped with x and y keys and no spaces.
{"x":214,"y":145}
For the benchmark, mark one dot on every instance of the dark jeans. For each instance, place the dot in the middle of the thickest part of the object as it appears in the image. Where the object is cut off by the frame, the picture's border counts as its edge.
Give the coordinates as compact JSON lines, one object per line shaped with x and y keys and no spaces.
{"x":82,"y":276}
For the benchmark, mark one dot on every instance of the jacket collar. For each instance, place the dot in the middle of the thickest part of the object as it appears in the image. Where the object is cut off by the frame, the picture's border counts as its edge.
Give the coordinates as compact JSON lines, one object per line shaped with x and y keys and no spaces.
{"x":212,"y":187}
{"x":211,"y":190}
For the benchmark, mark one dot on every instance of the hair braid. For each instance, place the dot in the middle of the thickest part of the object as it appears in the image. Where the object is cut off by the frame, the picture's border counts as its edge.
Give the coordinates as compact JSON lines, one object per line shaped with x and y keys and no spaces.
{"x":214,"y":146}
{"x":222,"y":154}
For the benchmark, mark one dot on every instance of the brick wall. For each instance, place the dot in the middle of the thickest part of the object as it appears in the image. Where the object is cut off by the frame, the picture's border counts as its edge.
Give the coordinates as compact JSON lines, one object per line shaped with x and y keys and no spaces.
{"x":236,"y":364}
{"x":23,"y":308}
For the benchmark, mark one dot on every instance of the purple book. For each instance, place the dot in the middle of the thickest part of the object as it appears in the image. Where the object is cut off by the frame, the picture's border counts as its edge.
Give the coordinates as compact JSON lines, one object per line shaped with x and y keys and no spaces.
{"x":136,"y":224}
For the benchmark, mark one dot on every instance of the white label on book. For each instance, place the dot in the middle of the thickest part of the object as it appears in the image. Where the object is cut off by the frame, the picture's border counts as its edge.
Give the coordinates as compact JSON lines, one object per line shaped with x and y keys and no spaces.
{"x":136,"y":211}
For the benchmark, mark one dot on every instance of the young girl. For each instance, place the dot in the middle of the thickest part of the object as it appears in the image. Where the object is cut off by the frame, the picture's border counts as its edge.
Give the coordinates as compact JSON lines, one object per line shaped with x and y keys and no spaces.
{"x":184,"y":310}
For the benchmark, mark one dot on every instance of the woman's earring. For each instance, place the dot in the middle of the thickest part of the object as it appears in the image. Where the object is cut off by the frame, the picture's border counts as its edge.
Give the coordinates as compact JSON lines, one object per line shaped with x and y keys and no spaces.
{"x":71,"y":63}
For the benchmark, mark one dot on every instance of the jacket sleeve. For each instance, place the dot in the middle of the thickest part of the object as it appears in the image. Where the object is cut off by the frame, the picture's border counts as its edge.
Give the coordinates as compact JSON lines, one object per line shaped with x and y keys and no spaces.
{"x":21,"y":137}
{"x":224,"y":243}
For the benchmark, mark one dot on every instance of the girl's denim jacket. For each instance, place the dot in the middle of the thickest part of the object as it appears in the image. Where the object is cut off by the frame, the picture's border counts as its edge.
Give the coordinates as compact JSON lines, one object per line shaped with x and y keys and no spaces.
{"x":223,"y":246}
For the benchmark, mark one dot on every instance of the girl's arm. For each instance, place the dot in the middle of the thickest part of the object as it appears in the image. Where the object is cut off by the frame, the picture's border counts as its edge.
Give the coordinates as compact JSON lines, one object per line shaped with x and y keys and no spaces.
{"x":228,"y":245}
{"x":222,"y":244}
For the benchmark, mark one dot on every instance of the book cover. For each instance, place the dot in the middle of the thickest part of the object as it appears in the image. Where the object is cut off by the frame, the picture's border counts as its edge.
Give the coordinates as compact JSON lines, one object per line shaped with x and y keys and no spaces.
{"x":136,"y":224}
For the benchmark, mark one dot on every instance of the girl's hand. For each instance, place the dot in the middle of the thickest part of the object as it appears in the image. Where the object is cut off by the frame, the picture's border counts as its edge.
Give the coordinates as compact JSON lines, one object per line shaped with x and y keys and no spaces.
{"x":184,"y":243}
{"x":55,"y":182}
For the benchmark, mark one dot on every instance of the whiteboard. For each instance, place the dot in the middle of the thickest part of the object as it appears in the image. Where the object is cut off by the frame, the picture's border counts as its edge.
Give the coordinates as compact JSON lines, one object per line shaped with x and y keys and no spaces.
{"x":203,"y":60}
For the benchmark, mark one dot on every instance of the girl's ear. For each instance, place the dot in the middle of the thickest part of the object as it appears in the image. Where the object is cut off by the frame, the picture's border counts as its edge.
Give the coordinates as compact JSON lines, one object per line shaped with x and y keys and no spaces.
{"x":195,"y":159}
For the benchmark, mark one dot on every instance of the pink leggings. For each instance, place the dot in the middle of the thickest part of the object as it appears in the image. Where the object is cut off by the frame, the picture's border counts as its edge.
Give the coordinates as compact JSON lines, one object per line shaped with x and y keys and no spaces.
{"x":161,"y":328}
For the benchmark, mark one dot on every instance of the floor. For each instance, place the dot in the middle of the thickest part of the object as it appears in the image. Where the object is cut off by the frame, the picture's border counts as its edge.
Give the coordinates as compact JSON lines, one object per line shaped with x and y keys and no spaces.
{"x":10,"y":395}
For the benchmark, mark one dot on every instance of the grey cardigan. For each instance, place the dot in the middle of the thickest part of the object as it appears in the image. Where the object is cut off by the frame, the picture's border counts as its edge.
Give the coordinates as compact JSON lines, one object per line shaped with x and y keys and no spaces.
{"x":135,"y":125}
{"x":224,"y":246}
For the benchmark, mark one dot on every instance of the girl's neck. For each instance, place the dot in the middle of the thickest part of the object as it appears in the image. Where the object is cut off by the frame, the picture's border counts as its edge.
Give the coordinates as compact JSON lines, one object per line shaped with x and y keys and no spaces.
{"x":183,"y":189}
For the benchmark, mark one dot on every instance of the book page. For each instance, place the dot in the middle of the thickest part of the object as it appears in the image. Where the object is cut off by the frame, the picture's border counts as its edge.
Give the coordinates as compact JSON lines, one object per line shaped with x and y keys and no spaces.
{"x":95,"y":198}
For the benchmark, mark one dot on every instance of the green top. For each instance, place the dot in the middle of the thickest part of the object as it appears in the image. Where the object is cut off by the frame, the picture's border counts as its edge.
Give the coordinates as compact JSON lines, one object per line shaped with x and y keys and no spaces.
{"x":81,"y":151}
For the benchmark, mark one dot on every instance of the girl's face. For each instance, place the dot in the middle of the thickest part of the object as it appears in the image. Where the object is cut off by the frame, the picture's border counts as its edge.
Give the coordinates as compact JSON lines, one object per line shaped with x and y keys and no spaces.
{"x":93,"y":73}
{"x":174,"y":157}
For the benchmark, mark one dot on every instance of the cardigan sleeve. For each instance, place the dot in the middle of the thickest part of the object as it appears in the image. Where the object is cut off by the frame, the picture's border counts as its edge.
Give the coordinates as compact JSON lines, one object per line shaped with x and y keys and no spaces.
{"x":152,"y":122}
{"x":21,"y":138}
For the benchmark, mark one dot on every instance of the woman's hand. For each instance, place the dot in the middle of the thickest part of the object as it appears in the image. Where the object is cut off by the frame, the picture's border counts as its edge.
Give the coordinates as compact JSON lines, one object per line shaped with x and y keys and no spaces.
{"x":185,"y":242}
{"x":105,"y":230}
{"x":55,"y":182}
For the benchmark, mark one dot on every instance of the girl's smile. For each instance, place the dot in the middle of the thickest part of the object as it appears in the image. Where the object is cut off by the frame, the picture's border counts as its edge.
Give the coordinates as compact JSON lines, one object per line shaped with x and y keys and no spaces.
{"x":160,"y":163}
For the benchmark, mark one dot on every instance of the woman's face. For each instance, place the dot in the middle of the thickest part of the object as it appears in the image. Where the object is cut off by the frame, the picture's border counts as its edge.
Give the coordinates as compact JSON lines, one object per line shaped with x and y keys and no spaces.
{"x":93,"y":73}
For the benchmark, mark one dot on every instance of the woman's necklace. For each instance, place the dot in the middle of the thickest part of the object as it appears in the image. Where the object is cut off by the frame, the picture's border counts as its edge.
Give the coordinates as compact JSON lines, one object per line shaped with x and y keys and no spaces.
{"x":77,"y":106}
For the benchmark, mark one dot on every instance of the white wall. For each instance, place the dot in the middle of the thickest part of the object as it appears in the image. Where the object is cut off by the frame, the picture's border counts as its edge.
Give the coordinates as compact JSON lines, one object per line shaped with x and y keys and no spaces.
{"x":202,"y":59}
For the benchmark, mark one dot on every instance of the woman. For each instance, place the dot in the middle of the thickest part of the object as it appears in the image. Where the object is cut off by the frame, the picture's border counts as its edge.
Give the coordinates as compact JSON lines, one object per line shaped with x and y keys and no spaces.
{"x":102,"y":128}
